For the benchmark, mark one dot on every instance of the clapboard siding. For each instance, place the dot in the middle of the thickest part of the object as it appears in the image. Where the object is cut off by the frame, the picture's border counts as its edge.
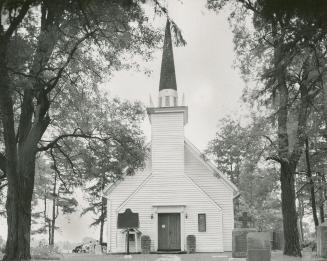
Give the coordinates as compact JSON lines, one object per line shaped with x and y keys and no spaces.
{"x":171,"y":192}
{"x":216,"y":188}
{"x":121,"y":193}
{"x":167,"y":143}
{"x":175,"y":177}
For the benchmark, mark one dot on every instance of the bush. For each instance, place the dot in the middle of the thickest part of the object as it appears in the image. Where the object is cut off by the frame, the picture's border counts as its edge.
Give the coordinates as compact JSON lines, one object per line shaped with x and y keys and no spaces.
{"x":145,"y":244}
{"x":2,"y":248}
{"x":191,"y":244}
{"x":46,"y":252}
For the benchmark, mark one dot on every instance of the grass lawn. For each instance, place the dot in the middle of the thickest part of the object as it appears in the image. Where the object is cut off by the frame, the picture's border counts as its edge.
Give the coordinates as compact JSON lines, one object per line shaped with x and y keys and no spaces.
{"x":276,"y":256}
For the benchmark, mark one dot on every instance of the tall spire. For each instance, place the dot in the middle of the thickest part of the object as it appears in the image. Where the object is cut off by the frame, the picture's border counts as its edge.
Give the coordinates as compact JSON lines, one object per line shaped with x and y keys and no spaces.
{"x":167,"y":75}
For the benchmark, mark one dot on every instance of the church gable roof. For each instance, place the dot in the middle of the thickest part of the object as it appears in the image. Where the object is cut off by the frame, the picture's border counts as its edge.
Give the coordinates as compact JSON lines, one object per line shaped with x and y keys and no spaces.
{"x":211,"y":167}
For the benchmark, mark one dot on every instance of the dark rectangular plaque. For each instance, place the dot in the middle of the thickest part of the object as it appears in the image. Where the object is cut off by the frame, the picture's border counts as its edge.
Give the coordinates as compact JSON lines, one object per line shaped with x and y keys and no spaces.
{"x":128,"y":219}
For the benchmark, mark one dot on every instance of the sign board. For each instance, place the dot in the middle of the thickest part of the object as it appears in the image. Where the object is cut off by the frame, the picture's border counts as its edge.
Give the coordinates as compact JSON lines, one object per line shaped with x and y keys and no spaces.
{"x":128,"y":219}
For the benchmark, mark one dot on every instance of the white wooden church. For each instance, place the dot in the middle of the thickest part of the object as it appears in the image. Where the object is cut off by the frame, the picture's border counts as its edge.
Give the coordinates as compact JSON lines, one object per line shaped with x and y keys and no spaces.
{"x":179,"y":193}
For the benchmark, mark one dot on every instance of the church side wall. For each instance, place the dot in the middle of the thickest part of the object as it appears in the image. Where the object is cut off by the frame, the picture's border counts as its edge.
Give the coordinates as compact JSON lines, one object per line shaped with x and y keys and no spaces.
{"x":216,"y":189}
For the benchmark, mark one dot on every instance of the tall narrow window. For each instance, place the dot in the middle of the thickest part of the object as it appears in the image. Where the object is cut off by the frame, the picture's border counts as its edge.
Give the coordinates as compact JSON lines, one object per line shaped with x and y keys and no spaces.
{"x":167,"y":101}
{"x":202,"y":223}
{"x":175,"y":101}
{"x":160,"y":102}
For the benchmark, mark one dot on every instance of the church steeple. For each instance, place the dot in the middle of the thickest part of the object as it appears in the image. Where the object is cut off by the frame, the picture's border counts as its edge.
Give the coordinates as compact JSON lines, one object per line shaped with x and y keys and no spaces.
{"x":167,"y":86}
{"x":167,"y":75}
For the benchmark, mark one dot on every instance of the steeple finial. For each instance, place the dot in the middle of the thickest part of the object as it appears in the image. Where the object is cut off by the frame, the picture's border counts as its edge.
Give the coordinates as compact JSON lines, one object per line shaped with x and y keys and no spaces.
{"x":167,"y":75}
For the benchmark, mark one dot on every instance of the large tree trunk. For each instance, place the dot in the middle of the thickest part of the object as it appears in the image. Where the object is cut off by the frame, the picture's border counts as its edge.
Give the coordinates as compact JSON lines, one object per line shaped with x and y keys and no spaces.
{"x":287,"y":172}
{"x":291,"y":233}
{"x":19,"y":170}
{"x":18,"y":206}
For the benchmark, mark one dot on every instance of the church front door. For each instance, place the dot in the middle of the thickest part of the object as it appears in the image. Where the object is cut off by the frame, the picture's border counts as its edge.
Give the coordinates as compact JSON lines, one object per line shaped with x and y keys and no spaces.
{"x":169,"y":231}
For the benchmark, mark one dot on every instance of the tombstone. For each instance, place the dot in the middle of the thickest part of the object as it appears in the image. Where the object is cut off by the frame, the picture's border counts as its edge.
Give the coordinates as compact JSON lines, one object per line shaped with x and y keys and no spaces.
{"x":258,"y":246}
{"x":307,"y":254}
{"x":128,"y":221}
{"x":322,"y":240}
{"x":239,"y":244}
{"x":98,"y":250}
{"x":277,"y":240}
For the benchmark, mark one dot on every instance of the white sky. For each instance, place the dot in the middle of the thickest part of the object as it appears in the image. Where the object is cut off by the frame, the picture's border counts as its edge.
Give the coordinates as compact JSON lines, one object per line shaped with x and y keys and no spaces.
{"x":205,"y":74}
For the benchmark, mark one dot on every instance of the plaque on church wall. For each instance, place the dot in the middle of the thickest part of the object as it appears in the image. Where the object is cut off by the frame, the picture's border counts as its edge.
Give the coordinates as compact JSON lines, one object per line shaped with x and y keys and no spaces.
{"x":128,"y":219}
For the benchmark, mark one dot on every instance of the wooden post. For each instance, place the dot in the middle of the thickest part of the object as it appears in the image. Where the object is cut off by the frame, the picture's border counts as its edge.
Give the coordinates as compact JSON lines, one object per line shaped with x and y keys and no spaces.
{"x":127,"y":241}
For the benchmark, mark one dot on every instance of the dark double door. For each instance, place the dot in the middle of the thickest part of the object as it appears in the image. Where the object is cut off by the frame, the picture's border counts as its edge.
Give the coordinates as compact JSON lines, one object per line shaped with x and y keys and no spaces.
{"x":169,"y":231}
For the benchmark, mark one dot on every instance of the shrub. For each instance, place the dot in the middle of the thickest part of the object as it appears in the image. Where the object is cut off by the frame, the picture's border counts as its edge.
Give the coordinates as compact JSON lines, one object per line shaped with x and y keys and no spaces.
{"x":145,"y":244}
{"x":45,"y":252}
{"x":191,"y":244}
{"x":2,"y":248}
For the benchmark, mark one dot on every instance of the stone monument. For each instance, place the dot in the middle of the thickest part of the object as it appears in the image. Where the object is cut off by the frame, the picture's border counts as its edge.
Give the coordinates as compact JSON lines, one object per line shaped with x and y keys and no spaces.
{"x":322,"y":240}
{"x":277,"y":240}
{"x":239,"y":244}
{"x":258,"y":246}
{"x":98,"y":250}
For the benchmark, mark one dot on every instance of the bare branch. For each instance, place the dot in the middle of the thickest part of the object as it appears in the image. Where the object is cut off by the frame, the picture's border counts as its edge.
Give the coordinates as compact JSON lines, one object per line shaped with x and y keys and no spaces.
{"x":76,"y":134}
{"x":277,"y":159}
{"x":18,"y":19}
{"x":55,"y":167}
{"x":3,"y":185}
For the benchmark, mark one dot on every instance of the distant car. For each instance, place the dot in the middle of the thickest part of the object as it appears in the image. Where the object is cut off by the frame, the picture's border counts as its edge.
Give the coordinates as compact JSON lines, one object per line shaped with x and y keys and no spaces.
{"x":79,"y":249}
{"x":88,"y":247}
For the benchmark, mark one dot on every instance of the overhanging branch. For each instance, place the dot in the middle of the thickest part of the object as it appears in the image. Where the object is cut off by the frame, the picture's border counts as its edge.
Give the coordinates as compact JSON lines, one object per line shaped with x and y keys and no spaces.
{"x":277,"y":159}
{"x":76,"y":134}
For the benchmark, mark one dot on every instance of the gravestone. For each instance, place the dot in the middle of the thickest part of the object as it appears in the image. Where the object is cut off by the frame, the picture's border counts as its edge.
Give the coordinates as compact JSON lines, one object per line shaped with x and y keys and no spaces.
{"x":239,"y":244}
{"x":322,"y":240}
{"x":98,"y":250}
{"x":307,"y":254}
{"x":258,"y":246}
{"x":277,"y":240}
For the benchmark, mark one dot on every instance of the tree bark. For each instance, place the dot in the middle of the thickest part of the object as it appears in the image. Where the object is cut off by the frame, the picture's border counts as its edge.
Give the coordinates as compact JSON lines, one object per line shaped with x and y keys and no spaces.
{"x":18,"y":207}
{"x":287,"y":160}
{"x":312,"y":188}
{"x":291,"y":233}
{"x":20,"y":162}
{"x":322,"y":196}
{"x":300,"y":218}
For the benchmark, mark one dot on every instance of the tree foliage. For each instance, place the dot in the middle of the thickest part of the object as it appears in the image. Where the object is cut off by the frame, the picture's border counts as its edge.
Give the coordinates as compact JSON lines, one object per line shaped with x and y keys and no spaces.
{"x":239,"y":150}
{"x":284,"y":52}
{"x":54,"y":54}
